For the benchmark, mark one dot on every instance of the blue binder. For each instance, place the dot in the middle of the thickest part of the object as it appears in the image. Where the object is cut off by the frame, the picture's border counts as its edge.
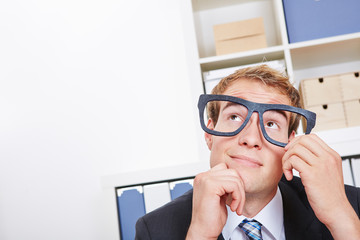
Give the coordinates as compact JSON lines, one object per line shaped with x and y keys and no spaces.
{"x":313,"y":19}
{"x":131,"y":207}
{"x":179,"y":188}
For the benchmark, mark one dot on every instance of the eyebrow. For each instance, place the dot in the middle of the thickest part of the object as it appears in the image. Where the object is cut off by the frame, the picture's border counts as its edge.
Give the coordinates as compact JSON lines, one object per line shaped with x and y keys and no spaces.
{"x":282,"y":112}
{"x":230,"y":104}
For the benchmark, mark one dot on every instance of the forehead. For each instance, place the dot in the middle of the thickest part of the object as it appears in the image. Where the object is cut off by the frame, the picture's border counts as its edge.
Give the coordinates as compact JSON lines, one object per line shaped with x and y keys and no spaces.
{"x":256,"y":91}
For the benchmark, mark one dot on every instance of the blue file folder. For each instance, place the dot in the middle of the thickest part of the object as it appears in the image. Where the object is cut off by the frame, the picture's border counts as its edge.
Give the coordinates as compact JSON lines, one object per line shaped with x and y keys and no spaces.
{"x":313,"y":19}
{"x":178,"y":189}
{"x":131,"y":207}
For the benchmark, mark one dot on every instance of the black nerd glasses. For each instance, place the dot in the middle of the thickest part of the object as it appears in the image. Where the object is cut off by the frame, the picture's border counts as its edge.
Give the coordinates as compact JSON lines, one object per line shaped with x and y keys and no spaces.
{"x":234,"y":113}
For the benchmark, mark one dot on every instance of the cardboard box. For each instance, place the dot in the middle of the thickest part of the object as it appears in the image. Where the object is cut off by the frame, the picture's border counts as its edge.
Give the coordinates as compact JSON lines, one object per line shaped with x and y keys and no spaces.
{"x":329,"y":116}
{"x":320,"y":91}
{"x":350,"y":86}
{"x":239,"y":36}
{"x":352,"y":112}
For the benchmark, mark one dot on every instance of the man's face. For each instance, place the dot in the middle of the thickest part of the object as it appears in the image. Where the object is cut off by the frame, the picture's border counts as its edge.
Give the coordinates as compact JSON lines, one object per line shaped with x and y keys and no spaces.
{"x":257,"y":161}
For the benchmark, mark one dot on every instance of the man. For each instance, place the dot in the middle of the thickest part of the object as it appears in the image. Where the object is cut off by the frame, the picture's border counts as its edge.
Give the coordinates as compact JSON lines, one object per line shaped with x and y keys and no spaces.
{"x":250,"y":192}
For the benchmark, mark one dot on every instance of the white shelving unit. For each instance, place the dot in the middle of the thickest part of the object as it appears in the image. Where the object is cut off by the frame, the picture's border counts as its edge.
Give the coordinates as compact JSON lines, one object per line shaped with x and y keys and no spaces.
{"x":308,"y":59}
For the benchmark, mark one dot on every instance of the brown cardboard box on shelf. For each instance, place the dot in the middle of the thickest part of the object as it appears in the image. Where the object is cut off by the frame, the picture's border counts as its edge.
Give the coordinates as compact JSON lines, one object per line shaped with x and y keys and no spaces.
{"x":352,"y":112}
{"x":329,"y":116}
{"x":320,"y":91}
{"x":239,"y":36}
{"x":350,"y":86}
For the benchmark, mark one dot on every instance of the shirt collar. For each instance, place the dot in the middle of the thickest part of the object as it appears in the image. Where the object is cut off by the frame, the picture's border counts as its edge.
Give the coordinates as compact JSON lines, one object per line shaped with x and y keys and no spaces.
{"x":266,"y":217}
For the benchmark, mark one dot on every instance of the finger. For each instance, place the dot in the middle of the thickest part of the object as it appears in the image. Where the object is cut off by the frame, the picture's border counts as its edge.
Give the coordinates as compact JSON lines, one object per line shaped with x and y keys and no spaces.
{"x":315,"y":145}
{"x":312,"y":142}
{"x":222,"y":182}
{"x":237,"y":197}
{"x":220,"y":166}
{"x":292,"y":143}
{"x":288,"y":173}
{"x":304,"y":139}
{"x":302,"y":152}
{"x":322,"y":146}
{"x":234,"y":193}
{"x":240,"y":208}
{"x":308,"y":146}
{"x":227,"y":182}
{"x":225,"y":173}
{"x":294,"y":162}
{"x":237,"y":200}
{"x":231,"y":187}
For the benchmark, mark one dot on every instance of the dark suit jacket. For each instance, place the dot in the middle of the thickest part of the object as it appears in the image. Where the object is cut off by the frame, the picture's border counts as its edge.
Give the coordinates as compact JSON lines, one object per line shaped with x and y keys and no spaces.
{"x":173,"y":219}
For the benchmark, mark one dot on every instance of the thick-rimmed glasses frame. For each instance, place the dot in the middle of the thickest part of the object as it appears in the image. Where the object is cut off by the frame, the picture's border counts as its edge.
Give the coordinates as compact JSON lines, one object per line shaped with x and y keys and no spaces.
{"x":252,"y":107}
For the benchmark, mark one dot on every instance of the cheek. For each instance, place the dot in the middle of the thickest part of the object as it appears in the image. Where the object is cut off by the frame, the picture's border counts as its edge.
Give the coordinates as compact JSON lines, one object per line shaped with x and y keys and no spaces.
{"x":218,"y":151}
{"x":277,"y":162}
{"x":280,"y":153}
{"x":274,"y":155}
{"x":215,"y":156}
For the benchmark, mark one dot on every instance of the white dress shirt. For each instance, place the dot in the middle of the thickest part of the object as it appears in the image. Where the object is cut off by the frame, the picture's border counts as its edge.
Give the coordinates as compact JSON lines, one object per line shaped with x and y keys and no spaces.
{"x":271,"y":217}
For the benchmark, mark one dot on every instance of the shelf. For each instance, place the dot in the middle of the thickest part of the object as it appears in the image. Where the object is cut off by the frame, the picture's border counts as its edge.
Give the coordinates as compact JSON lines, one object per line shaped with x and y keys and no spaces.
{"x":329,"y":40}
{"x":242,"y":58}
{"x":203,"y":5}
{"x":155,"y":175}
{"x":345,"y":141}
{"x":333,"y":56}
{"x":335,"y":52}
{"x":206,"y":14}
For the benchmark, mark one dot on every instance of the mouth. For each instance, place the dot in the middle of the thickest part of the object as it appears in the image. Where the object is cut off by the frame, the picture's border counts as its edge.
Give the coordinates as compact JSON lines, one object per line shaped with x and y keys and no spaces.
{"x":247,"y":161}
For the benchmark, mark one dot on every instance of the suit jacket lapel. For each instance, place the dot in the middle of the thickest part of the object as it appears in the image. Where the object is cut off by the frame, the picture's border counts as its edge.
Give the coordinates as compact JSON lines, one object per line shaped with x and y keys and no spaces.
{"x":300,"y":221}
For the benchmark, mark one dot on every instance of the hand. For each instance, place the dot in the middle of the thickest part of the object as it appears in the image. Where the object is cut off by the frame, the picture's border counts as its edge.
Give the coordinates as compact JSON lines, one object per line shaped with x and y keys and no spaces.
{"x":320,"y":169}
{"x":212,"y":191}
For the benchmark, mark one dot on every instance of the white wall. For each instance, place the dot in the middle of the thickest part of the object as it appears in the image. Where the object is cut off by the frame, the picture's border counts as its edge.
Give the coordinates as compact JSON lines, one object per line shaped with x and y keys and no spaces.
{"x":87,"y":89}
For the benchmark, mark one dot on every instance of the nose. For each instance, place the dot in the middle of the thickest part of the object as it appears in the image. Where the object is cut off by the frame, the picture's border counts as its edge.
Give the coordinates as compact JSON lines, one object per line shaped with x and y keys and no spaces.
{"x":251,"y":135}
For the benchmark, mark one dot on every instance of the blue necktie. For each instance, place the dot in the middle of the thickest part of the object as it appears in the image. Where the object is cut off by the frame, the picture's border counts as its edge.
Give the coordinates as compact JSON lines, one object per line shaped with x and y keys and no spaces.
{"x":251,"y":228}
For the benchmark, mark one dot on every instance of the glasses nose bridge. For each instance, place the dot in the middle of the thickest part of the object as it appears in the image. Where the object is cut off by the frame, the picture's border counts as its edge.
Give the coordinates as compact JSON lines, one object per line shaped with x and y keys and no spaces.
{"x":251,"y":133}
{"x":250,"y":121}
{"x":259,"y":120}
{"x":251,"y":112}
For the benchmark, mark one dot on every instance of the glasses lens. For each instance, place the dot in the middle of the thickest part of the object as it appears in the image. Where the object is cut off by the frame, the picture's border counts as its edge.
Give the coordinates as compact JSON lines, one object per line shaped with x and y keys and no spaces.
{"x":227,"y":116}
{"x":279,"y":124}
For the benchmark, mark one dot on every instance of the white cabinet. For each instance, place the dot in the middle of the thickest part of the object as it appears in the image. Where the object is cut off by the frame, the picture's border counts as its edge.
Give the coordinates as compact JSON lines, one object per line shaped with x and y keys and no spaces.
{"x":313,"y":58}
{"x":309,"y":59}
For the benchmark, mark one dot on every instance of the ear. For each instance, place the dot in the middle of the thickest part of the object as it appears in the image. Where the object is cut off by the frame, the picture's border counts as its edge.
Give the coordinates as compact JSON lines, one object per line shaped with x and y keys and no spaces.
{"x":292,"y":136}
{"x":209,"y":137}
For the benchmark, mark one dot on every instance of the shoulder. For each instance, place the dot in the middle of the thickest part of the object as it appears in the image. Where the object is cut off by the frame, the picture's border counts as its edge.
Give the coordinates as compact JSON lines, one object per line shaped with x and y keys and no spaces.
{"x":296,"y":186}
{"x":172,"y":219}
{"x":296,"y":189}
{"x":353,"y":194}
{"x":293,"y":187}
{"x":299,"y":219}
{"x":293,"y":193}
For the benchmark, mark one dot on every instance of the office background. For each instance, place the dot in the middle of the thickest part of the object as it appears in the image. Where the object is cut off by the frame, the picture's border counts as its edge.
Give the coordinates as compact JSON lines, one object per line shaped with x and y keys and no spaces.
{"x":87,"y":89}
{"x":100,"y":94}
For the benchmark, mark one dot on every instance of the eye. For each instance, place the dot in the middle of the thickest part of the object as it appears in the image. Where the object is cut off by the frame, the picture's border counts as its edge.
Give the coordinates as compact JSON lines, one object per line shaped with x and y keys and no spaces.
{"x":272,"y":125}
{"x":235,"y":118}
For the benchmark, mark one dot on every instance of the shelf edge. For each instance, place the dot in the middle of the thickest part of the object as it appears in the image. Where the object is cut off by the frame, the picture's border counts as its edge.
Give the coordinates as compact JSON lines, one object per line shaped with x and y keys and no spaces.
{"x":327,"y":40}
{"x":241,"y":54}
